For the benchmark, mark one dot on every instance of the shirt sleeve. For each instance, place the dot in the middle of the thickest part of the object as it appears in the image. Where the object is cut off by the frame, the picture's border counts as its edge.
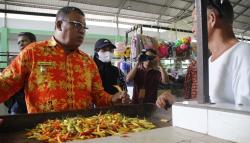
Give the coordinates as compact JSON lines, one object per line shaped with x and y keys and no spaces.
{"x":241,"y":87}
{"x":101,"y":97}
{"x":241,"y":76}
{"x":12,"y":79}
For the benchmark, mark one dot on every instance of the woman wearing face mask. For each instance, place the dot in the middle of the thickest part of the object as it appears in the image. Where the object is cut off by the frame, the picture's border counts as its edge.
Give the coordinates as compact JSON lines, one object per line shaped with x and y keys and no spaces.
{"x":147,"y":75}
{"x":112,"y":78}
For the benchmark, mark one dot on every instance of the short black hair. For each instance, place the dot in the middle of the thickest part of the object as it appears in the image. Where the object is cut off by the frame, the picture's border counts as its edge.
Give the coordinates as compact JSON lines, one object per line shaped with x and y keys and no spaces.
{"x":224,"y":7}
{"x":29,"y":35}
{"x":66,"y":10}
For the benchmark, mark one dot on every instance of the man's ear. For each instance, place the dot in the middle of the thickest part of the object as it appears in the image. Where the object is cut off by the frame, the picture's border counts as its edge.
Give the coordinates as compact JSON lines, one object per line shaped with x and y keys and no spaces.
{"x":212,"y":18}
{"x":59,"y":25}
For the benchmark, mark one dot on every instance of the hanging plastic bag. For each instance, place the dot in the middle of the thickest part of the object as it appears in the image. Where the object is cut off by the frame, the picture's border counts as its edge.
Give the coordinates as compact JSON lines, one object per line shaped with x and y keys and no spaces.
{"x":119,"y":50}
{"x":163,"y":50}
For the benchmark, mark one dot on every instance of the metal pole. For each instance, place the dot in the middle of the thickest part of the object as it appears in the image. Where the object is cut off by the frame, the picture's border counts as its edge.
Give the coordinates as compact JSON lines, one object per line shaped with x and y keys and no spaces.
{"x":158,"y":29}
{"x":141,"y":31}
{"x":203,"y":52}
{"x":175,"y":30}
{"x":68,"y":2}
{"x":117,"y":26}
{"x":5,"y":15}
{"x":242,"y":36}
{"x":126,"y":40}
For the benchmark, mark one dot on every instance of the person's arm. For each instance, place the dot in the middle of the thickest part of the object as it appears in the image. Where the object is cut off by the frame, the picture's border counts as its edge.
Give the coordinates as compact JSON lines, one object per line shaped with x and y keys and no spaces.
{"x":132,"y":73}
{"x":164,"y":76}
{"x":13,"y":78}
{"x":166,"y":98}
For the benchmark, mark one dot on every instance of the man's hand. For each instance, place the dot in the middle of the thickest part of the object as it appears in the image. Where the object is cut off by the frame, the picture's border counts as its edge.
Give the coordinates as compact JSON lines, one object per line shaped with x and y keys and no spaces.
{"x":120,"y":98}
{"x":164,"y":98}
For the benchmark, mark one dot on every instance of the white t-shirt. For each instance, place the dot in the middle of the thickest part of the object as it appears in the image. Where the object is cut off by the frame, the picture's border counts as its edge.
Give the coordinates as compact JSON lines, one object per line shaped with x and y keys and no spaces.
{"x":229,"y":76}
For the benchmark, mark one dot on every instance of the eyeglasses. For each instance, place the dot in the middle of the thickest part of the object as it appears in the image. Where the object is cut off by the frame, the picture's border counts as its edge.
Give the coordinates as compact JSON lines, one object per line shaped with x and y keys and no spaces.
{"x":217,"y":4}
{"x":77,"y":25}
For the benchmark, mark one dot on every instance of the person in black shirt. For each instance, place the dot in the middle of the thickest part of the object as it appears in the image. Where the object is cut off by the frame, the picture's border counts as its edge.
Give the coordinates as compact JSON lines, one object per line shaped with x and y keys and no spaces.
{"x":112,"y":78}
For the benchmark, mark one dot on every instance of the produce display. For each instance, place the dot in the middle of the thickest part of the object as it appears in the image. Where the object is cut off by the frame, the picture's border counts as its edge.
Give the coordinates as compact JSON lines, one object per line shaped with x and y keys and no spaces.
{"x":102,"y":125}
{"x":181,"y":47}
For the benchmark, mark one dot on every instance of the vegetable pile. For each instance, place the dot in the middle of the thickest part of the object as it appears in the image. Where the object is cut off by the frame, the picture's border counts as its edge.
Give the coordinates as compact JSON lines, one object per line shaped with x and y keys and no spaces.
{"x":102,"y":125}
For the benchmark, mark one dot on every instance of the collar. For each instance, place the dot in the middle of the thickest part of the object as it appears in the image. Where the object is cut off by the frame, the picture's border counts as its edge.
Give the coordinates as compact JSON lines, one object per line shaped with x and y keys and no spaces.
{"x":52,"y":42}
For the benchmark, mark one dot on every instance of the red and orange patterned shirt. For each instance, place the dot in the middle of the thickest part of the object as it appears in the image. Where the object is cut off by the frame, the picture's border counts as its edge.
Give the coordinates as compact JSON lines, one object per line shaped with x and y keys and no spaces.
{"x":190,"y":83}
{"x":53,"y":81}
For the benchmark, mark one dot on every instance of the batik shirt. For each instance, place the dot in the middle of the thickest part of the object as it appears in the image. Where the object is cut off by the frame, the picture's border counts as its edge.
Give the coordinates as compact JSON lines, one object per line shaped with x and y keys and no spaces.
{"x":52,"y":80}
{"x":190,"y":84}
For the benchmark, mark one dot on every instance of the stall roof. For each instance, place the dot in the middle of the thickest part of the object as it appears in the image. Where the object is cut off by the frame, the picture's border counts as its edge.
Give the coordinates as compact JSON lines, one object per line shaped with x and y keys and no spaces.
{"x":170,"y":12}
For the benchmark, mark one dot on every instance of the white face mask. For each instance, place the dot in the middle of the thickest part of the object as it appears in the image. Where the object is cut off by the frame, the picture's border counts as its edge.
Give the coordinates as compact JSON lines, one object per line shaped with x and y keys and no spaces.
{"x":105,"y":56}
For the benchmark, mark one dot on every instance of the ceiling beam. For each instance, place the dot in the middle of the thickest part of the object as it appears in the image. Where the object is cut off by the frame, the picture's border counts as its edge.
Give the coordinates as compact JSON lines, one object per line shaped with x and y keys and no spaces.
{"x":233,"y":3}
{"x":33,"y":5}
{"x":182,"y":14}
{"x":247,"y":29}
{"x":121,"y":6}
{"x":165,"y":8}
{"x":155,"y":4}
{"x":239,"y":14}
{"x":28,"y":13}
{"x":68,"y":2}
{"x":237,"y":3}
{"x":55,"y":7}
{"x":242,"y":22}
{"x":117,"y":16}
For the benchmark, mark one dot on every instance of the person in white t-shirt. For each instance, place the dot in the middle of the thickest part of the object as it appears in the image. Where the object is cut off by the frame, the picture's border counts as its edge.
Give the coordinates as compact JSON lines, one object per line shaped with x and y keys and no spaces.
{"x":229,"y":63}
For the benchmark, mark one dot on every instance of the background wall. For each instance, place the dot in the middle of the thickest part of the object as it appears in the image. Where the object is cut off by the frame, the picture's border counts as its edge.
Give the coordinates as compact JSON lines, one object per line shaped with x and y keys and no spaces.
{"x":45,"y":26}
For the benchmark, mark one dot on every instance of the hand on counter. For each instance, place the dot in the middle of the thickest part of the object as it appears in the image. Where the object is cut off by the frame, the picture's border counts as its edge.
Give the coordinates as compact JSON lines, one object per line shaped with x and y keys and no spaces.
{"x":164,"y":99}
{"x":120,"y":98}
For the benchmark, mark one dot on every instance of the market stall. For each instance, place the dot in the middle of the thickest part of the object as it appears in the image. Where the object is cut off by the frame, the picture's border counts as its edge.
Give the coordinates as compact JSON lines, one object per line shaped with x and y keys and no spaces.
{"x":15,"y":127}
